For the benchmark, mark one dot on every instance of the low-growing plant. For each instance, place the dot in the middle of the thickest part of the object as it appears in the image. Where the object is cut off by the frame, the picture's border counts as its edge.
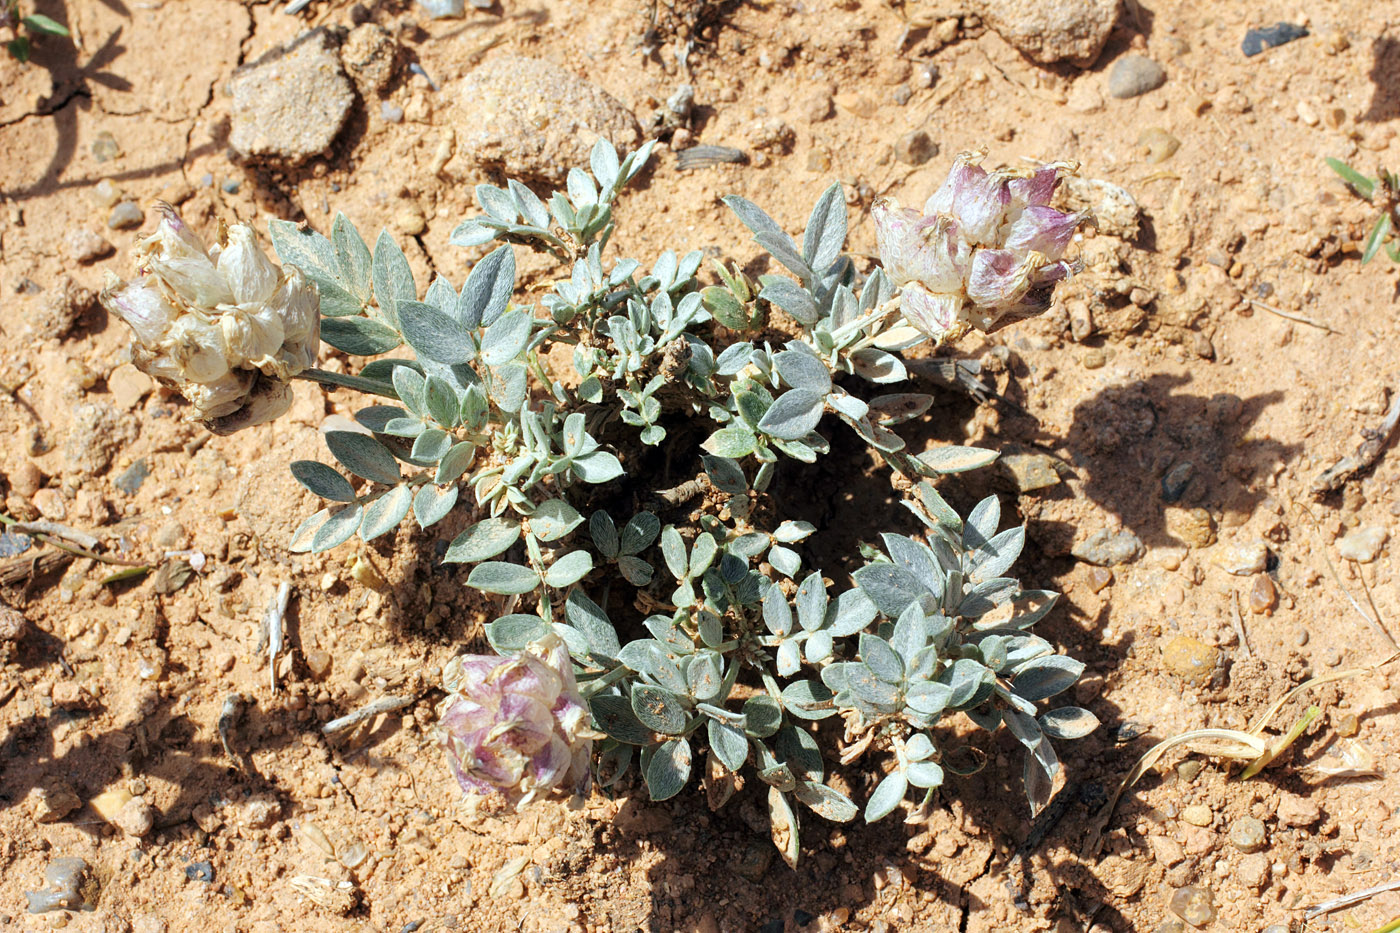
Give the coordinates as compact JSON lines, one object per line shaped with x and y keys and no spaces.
{"x":23,"y":28}
{"x":1383,"y":192}
{"x":663,"y":626}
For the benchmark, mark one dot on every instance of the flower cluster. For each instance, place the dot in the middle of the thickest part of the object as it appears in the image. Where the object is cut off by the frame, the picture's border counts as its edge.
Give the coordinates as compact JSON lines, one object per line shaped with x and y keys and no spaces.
{"x":984,"y":253}
{"x":225,"y":326}
{"x":516,"y":726}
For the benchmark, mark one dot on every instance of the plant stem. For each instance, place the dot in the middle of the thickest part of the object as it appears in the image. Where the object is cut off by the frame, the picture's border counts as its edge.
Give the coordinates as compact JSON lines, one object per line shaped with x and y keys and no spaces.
{"x":343,"y":381}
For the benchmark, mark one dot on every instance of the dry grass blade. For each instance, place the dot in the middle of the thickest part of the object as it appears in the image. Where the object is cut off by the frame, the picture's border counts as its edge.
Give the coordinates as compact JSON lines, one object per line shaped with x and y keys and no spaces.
{"x":1338,"y":903}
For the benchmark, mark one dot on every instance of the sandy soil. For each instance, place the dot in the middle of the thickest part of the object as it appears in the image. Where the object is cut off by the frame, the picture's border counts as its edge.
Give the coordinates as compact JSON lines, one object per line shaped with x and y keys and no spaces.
{"x":1157,"y":355}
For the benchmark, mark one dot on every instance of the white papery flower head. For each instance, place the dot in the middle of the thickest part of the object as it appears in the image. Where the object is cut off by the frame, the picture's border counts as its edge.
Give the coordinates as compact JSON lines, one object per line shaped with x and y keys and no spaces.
{"x":985,"y":252}
{"x":225,"y":325}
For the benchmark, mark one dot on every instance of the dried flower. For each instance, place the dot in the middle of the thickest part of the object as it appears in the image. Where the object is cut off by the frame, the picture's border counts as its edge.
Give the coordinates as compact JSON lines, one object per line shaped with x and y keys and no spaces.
{"x":224,"y":326}
{"x":516,"y":726}
{"x":984,"y":253}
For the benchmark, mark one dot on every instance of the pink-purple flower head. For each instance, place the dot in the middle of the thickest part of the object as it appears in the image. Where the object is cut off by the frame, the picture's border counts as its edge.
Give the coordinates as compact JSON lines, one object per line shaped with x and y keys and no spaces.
{"x":516,"y":726}
{"x":985,"y":252}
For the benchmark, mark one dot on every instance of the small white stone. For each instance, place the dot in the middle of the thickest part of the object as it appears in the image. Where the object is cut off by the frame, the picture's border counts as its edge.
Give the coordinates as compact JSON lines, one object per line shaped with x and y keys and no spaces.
{"x":1364,"y":544}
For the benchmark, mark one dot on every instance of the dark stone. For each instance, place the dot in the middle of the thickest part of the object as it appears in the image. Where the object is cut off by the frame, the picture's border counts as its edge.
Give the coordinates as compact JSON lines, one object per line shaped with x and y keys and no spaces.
{"x":772,"y":926}
{"x":200,"y":871}
{"x":13,"y":544}
{"x":1129,"y":731}
{"x":1269,"y":37}
{"x":133,"y":476}
{"x":1175,"y":482}
{"x":801,"y":917}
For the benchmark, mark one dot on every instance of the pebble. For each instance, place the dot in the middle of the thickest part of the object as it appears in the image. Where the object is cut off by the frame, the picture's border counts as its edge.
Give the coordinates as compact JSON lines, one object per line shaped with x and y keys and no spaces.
{"x":1192,"y":527}
{"x":12,"y":545}
{"x":1030,"y":471}
{"x":1177,"y":479}
{"x":1307,"y":114}
{"x":128,"y":385}
{"x":126,"y":216}
{"x":1263,"y":595}
{"x":1108,"y":548}
{"x":858,"y":105}
{"x":1243,"y":560}
{"x":70,"y":886}
{"x":105,"y":193}
{"x":1188,"y":769}
{"x":1159,"y":145}
{"x":1349,"y":726}
{"x":130,"y":479}
{"x":1253,"y":871}
{"x":11,"y":624}
{"x":1363,"y":545}
{"x":1094,"y":359}
{"x":1114,"y":208}
{"x":1170,"y":926}
{"x":54,"y":802}
{"x":370,"y":57}
{"x":1296,"y":811}
{"x":318,"y":663}
{"x":1270,"y":37}
{"x":1247,"y":834}
{"x":1195,"y":905}
{"x":171,"y":536}
{"x":1190,"y":658}
{"x":1197,"y":815}
{"x":85,"y":247}
{"x":200,"y":871}
{"x":915,"y":148}
{"x":105,"y":148}
{"x":290,"y":105}
{"x":392,"y":113}
{"x":1134,"y":75}
{"x":1049,"y":31}
{"x":136,"y":817}
{"x":531,"y":119}
{"x":1100,"y":577}
{"x":410,"y":221}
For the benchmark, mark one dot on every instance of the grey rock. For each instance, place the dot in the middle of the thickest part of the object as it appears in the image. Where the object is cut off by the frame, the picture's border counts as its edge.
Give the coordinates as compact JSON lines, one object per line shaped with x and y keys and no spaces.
{"x":1107,"y":548}
{"x":291,"y":104}
{"x":531,"y":119}
{"x":84,"y":247}
{"x":1133,"y":75}
{"x":70,"y":886}
{"x":915,"y":148}
{"x":1247,"y":834}
{"x":126,"y":216}
{"x":1049,"y":31}
{"x":1177,"y":479}
{"x":133,"y":476}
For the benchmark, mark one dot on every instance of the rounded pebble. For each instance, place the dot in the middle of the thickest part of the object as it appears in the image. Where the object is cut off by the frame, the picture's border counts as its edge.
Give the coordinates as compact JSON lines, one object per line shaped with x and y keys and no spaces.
{"x":915,"y":148}
{"x":1133,"y":75}
{"x":1263,"y":595}
{"x":1197,"y":815}
{"x":1247,"y":834}
{"x":125,"y":216}
{"x":1195,"y":905}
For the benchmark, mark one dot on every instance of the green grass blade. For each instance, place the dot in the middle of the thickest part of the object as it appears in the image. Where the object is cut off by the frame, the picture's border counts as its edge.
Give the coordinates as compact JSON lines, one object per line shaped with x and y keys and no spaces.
{"x":1359,"y":182}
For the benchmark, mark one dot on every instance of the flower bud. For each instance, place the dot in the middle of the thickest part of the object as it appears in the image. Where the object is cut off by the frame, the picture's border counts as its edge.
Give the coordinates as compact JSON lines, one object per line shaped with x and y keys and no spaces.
{"x":225,"y":326}
{"x":984,"y":253}
{"x":516,"y":726}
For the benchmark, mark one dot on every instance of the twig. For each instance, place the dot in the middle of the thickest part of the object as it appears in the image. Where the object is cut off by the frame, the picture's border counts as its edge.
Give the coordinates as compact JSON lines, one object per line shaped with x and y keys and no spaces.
{"x":1238,"y":622}
{"x":1367,"y":453}
{"x":272,"y":625}
{"x":80,"y":538}
{"x":1326,"y":907}
{"x":382,"y":705}
{"x":1293,"y":317}
{"x":26,"y":568}
{"x":50,"y":540}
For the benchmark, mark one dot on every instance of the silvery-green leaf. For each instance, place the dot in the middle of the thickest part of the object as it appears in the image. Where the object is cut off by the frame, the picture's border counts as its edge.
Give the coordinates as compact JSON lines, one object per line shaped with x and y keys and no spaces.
{"x":928,"y":698}
{"x":486,"y":293}
{"x":1044,"y":677}
{"x":613,"y":715}
{"x":753,"y":216}
{"x":784,"y":828}
{"x":918,"y":747}
{"x":996,"y":556}
{"x":412,"y":389}
{"x":359,"y":336}
{"x":966,"y":678}
{"x":497,"y":203}
{"x":673,"y":550}
{"x":818,"y":647}
{"x":582,"y":190}
{"x":886,"y":797}
{"x":639,"y":532}
{"x":301,"y":539}
{"x":635,"y":570}
{"x":924,"y":774}
{"x":811,"y":602}
{"x":910,"y":633}
{"x":982,"y":522}
{"x":1068,"y":722}
{"x":586,"y":616}
{"x":352,"y":256}
{"x":1023,"y":727}
{"x":702,"y":554}
{"x":807,"y":699}
{"x":597,"y":467}
{"x":877,"y":366}
{"x":506,"y":338}
{"x":732,"y":442}
{"x":441,"y":401}
{"x":386,"y":512}
{"x":790,"y":532}
{"x":762,"y":716}
{"x":851,"y":612}
{"x":602,"y":159}
{"x":323,"y":480}
{"x":899,"y":407}
{"x":393,"y":279}
{"x":726,"y":474}
{"x":1039,"y":784}
{"x":377,"y":417}
{"x":985,"y":717}
{"x":792,"y":298}
{"x":709,"y":625}
{"x":955,"y":459}
{"x":478,"y":231}
{"x":431,"y":446}
{"x":511,"y":634}
{"x":801,"y":369}
{"x":554,"y":518}
{"x":659,"y":710}
{"x":793,"y":414}
{"x":785,"y":560}
{"x":503,"y":578}
{"x":441,"y":294}
{"x":881,"y":658}
{"x":777,"y":614}
{"x":734,"y":358}
{"x":337,"y":528}
{"x":825,"y":802}
{"x":364,"y":456}
{"x":730,"y":745}
{"x":603,"y":530}
{"x":483,"y":540}
{"x":316,"y":257}
{"x":703,"y":677}
{"x":569,"y":569}
{"x":435,"y":335}
{"x":789,"y":657}
{"x":796,"y":748}
{"x":826,"y":229}
{"x":432,"y":503}
{"x":529,"y":205}
{"x":454,"y":463}
{"x":890,"y":588}
{"x":781,"y":247}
